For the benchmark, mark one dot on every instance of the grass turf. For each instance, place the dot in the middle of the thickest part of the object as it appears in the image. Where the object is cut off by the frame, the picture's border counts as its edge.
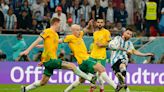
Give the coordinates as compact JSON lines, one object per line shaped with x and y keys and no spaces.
{"x":81,"y":88}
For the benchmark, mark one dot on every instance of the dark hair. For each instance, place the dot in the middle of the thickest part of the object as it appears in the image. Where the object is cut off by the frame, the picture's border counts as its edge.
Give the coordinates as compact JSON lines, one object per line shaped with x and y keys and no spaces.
{"x":130,"y":29}
{"x":100,"y":19}
{"x":19,"y":35}
{"x":122,"y":31}
{"x":53,"y":20}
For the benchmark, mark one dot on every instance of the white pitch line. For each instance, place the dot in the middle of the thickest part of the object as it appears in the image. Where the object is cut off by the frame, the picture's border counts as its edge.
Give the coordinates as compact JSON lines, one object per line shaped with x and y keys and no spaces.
{"x":73,"y":89}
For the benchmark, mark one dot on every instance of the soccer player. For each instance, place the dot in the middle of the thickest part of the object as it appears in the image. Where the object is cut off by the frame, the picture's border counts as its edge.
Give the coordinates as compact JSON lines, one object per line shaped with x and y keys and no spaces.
{"x":121,"y":47}
{"x":86,"y":64}
{"x":101,"y":38}
{"x":49,"y":56}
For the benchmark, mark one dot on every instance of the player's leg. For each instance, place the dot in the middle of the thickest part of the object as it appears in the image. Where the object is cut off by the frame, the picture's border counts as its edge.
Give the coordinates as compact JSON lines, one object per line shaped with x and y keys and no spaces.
{"x":97,"y":67}
{"x":76,"y":70}
{"x":100,"y":80}
{"x":122,"y":73}
{"x":74,"y":84}
{"x":101,"y":84}
{"x":102,"y":73}
{"x":119,"y":69}
{"x":116,"y":68}
{"x":37,"y":84}
{"x":48,"y":71}
{"x":83,"y":67}
{"x":122,"y":76}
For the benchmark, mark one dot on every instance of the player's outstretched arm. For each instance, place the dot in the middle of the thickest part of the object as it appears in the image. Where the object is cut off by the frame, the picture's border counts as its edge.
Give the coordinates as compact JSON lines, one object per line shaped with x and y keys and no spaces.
{"x":40,"y":46}
{"x":138,"y":53}
{"x":36,"y":42}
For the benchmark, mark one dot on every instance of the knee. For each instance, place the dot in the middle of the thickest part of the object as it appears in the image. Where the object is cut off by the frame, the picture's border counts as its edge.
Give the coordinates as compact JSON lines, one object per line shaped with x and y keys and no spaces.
{"x":102,"y":70}
{"x":123,"y":69}
{"x":99,"y":68}
{"x":72,"y":66}
{"x":42,"y":83}
{"x":82,"y":80}
{"x":122,"y":65}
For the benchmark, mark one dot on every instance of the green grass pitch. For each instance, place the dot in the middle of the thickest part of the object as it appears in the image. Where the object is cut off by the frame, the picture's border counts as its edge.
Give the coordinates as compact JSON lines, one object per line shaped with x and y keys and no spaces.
{"x":81,"y":88}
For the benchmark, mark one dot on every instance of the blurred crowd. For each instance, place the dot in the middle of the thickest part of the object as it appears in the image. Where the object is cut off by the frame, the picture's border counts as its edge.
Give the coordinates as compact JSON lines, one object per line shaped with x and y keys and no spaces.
{"x":32,"y":16}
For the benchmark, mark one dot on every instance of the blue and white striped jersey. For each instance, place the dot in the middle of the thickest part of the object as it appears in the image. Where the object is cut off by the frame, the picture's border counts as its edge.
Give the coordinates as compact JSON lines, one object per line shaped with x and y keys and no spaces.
{"x":116,"y":43}
{"x":10,"y":21}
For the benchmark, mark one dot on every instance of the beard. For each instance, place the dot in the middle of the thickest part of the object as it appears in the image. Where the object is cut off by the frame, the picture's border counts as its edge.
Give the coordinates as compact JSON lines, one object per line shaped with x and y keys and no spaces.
{"x":100,"y":27}
{"x":127,"y":38}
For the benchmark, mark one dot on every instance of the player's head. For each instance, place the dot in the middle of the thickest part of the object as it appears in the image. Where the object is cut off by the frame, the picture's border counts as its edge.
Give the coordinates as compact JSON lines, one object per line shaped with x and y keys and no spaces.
{"x":100,"y":23}
{"x":55,"y":22}
{"x":75,"y":30}
{"x":19,"y":36}
{"x":127,"y":34}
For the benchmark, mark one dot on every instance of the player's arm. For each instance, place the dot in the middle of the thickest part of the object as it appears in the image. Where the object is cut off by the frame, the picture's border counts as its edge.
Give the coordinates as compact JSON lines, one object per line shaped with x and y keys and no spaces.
{"x":107,"y":38}
{"x":67,"y":39}
{"x":103,"y":45}
{"x":86,"y":29}
{"x":138,"y":53}
{"x":40,"y":46}
{"x":114,"y":44}
{"x":132,"y":50}
{"x":36,"y":42}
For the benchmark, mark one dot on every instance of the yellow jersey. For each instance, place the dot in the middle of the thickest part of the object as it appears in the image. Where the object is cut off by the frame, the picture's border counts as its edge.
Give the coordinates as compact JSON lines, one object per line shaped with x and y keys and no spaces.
{"x":102,"y":36}
{"x":51,"y":39}
{"x":78,"y":47}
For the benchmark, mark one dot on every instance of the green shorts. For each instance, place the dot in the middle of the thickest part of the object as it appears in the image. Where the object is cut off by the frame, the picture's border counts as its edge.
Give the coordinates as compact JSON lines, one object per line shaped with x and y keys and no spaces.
{"x":101,"y":61}
{"x":87,"y":66}
{"x":51,"y":65}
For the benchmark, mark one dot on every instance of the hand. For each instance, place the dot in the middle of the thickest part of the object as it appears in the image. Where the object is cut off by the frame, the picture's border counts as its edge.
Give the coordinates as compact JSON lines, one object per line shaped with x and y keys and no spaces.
{"x":40,"y":64}
{"x":149,"y":54}
{"x":39,"y":46}
{"x":90,"y":22}
{"x":99,"y":44}
{"x":24,"y":53}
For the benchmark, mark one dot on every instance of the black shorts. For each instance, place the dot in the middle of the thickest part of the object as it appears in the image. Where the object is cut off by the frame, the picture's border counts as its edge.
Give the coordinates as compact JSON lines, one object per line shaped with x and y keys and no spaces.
{"x":116,"y":66}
